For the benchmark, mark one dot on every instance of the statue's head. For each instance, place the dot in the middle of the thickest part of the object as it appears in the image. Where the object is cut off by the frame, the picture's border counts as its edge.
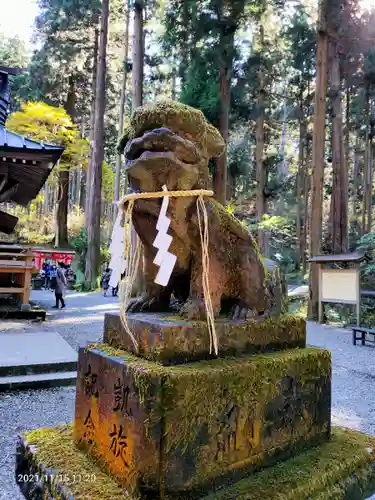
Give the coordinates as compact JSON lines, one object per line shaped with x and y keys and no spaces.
{"x":169,"y":143}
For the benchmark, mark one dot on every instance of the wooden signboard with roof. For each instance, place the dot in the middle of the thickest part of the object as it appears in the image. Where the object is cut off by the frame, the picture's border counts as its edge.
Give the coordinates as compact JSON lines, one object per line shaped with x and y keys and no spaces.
{"x":339,"y":280}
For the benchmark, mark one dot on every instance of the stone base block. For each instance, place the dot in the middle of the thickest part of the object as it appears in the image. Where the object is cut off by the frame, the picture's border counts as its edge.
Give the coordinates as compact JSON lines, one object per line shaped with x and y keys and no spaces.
{"x":173,"y":340}
{"x":50,"y":466}
{"x":165,"y":430}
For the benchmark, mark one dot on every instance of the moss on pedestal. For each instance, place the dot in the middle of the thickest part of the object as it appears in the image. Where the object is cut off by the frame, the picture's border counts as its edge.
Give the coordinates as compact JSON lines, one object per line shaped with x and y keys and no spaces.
{"x":341,"y":469}
{"x":53,"y":456}
{"x":209,"y":420}
{"x":173,"y":340}
{"x":207,"y":384}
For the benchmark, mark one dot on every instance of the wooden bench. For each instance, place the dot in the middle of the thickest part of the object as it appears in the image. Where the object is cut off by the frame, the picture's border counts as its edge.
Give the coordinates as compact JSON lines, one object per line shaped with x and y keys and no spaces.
{"x":362,"y":335}
{"x":15,"y":272}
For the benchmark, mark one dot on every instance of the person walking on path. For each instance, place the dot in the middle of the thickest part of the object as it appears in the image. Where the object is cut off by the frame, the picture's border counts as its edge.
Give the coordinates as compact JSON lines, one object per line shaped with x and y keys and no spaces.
{"x":46,"y":275}
{"x":105,"y":280}
{"x":60,"y":286}
{"x":52,"y":278}
{"x":115,"y":291}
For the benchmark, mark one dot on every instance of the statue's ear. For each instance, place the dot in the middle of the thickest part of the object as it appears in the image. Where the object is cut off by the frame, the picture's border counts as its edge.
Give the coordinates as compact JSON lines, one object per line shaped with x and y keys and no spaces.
{"x":214,"y":142}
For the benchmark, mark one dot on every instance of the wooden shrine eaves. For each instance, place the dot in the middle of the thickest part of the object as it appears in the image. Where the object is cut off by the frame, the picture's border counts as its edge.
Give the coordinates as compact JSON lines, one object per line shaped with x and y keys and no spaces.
{"x":26,"y":164}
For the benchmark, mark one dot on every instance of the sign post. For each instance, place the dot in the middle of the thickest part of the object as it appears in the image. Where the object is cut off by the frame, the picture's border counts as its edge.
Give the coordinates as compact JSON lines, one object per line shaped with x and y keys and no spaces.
{"x":339,"y":285}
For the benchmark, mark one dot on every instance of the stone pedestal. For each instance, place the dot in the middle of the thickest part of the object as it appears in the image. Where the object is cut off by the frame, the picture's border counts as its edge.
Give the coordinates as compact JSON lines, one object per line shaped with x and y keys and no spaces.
{"x":172,"y":340}
{"x":195,"y":426}
{"x":160,"y":426}
{"x":50,"y":466}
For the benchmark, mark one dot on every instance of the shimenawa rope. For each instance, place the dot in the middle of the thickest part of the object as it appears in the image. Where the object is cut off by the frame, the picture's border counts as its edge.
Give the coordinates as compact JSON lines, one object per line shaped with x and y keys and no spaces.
{"x":132,"y":256}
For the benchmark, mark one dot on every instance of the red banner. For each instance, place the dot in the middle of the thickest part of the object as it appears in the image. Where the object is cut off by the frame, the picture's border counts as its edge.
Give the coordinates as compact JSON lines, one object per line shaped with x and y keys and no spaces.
{"x":56,"y":257}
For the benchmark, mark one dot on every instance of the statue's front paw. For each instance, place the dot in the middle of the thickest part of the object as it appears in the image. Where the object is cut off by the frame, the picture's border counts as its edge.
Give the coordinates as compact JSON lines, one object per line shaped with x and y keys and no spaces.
{"x":194,"y":309}
{"x":145,"y":303}
{"x":242,"y":312}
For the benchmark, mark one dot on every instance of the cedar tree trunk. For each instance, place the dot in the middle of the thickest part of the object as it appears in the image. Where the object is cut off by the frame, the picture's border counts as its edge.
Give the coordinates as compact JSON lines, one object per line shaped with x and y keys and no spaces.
{"x":339,"y":197}
{"x":122,"y":111}
{"x":261,"y":174}
{"x":92,"y":126}
{"x":93,"y":229}
{"x":318,"y":161}
{"x":61,"y":239}
{"x":137,"y":55}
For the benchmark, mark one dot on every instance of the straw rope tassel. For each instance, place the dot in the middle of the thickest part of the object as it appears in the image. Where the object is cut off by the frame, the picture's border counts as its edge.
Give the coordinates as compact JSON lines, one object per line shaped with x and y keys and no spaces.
{"x":203,"y":231}
{"x":132,"y":257}
{"x":131,"y":268}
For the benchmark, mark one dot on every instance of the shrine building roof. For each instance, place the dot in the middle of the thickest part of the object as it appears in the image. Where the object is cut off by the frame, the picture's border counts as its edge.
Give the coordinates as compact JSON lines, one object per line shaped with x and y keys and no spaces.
{"x":25,"y":164}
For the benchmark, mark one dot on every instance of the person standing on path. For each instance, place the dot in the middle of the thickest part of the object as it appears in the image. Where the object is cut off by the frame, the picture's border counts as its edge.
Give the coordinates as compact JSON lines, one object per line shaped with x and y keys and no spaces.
{"x":60,"y":286}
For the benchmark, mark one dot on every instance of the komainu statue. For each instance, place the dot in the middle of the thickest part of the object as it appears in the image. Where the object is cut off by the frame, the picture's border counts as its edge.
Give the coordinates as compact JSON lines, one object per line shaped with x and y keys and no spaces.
{"x":170,"y":144}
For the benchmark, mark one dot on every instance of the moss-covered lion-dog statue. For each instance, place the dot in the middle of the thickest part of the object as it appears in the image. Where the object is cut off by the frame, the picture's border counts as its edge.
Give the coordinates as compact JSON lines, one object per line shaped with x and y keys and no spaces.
{"x":170,"y":144}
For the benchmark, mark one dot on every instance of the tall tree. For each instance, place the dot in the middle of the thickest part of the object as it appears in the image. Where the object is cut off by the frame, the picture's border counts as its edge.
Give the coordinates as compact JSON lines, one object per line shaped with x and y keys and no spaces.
{"x":339,"y":198}
{"x":301,"y":36}
{"x":203,"y":34}
{"x":369,"y":84}
{"x":318,"y":156}
{"x":138,"y":55}
{"x":13,"y":53}
{"x":93,"y":229}
{"x":65,"y":31}
{"x":343,"y":22}
{"x":229,"y":15}
{"x":92,"y":124}
{"x":61,"y":239}
{"x":259,"y":154}
{"x":122,"y":107}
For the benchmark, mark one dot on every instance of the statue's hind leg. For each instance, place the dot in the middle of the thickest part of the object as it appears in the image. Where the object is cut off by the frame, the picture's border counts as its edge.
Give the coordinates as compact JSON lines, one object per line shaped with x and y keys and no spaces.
{"x":195,"y":306}
{"x":154,"y":298}
{"x":253,"y":297}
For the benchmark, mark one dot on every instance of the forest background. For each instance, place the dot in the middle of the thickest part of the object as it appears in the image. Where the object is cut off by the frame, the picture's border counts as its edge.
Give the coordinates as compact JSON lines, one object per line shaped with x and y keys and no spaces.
{"x":289,"y":83}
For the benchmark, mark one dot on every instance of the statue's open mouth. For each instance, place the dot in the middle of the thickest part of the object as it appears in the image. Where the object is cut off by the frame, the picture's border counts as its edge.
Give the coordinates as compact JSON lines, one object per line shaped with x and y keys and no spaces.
{"x":160,"y":143}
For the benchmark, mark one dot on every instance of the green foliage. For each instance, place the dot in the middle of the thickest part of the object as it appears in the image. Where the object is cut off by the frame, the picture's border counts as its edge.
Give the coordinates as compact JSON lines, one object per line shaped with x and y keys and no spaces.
{"x":301,"y":38}
{"x":13,"y":52}
{"x":367,"y":244}
{"x":80,"y":243}
{"x":239,"y":155}
{"x":281,"y":234}
{"x":65,"y":31}
{"x":108,"y":181}
{"x":201,"y":85}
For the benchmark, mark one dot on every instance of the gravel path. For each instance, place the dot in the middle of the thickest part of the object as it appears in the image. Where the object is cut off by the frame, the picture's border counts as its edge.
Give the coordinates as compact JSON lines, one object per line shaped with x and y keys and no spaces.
{"x":353,"y":396}
{"x":81,"y":322}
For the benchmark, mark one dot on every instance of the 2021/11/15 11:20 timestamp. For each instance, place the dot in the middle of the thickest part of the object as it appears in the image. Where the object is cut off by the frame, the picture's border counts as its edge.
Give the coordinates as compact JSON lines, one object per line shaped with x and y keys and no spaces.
{"x":61,"y":478}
